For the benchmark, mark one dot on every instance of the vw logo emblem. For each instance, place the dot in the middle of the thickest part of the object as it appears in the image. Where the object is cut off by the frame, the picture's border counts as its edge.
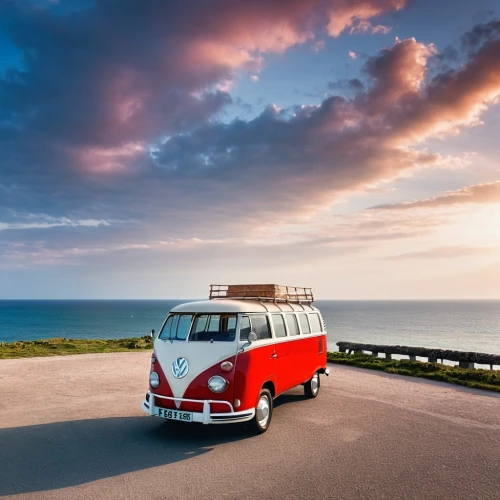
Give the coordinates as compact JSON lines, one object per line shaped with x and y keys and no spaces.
{"x":180,"y":367}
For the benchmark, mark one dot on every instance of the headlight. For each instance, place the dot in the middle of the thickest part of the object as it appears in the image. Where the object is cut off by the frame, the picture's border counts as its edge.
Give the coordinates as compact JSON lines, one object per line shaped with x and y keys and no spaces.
{"x":154,"y":380}
{"x":217,"y":384}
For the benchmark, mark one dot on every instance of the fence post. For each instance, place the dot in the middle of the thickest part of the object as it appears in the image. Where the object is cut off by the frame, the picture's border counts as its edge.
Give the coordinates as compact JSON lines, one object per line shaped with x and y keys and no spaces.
{"x":466,"y":365}
{"x":413,"y":358}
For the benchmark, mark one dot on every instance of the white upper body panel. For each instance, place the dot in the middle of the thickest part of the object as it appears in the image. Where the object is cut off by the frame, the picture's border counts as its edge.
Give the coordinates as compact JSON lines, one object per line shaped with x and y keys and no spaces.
{"x":240,"y":306}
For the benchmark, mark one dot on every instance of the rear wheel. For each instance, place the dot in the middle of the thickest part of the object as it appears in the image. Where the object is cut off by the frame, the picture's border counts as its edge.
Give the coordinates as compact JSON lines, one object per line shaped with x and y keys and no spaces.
{"x":311,"y":387}
{"x":263,"y":412}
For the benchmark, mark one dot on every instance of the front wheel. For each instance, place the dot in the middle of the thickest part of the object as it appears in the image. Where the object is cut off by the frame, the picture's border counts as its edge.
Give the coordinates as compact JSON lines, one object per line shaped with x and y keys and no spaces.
{"x":311,"y":387}
{"x":263,"y":412}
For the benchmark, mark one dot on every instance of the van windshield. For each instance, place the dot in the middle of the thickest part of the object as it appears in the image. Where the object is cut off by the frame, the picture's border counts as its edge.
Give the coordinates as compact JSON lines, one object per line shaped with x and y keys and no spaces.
{"x":176,"y":327}
{"x":213,"y":328}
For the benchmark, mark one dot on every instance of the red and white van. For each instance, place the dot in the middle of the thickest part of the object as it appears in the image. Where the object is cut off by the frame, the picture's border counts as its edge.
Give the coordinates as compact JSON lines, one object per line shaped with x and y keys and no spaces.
{"x":224,"y":360}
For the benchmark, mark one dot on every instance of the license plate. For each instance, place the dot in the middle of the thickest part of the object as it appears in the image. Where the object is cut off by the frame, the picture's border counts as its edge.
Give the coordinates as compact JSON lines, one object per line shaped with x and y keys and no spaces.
{"x":184,"y":416}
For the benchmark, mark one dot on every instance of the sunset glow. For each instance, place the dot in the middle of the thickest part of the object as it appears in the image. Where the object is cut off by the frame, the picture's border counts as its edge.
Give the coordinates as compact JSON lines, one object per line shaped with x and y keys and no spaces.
{"x":348,"y":146}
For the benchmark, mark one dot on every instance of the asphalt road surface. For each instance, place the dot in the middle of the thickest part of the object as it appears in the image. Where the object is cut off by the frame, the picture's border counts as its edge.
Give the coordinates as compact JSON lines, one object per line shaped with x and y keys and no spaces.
{"x":71,"y":428}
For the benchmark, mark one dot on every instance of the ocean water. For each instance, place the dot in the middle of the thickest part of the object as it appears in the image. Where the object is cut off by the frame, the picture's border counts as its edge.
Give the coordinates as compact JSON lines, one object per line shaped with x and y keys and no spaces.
{"x":461,"y":325}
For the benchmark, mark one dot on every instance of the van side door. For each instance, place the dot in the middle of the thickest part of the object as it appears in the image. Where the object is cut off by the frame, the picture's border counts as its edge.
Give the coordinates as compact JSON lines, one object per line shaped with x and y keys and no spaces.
{"x":283,"y":359}
{"x":256,"y":365}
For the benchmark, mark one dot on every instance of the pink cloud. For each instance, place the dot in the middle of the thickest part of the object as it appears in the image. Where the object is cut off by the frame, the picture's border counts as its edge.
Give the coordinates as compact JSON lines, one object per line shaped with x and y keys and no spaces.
{"x":109,"y":159}
{"x":477,"y":194}
{"x":398,"y":74}
{"x":143,"y":70}
{"x":453,"y":99}
{"x":262,"y":171}
{"x":450,"y":252}
{"x":349,"y":14}
{"x":316,"y":153}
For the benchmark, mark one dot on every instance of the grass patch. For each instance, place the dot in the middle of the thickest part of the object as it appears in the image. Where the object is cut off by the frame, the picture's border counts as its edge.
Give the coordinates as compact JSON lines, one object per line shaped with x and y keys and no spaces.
{"x":63,"y":347}
{"x":477,"y":379}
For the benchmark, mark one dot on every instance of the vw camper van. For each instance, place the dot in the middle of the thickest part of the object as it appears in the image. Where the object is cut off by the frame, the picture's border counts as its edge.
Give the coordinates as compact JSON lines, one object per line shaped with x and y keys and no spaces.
{"x":226,"y":359}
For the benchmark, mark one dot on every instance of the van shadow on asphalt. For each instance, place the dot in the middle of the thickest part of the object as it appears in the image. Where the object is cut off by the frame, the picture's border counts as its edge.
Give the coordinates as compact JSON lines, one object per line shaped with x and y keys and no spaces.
{"x":63,"y":454}
{"x":289,"y":397}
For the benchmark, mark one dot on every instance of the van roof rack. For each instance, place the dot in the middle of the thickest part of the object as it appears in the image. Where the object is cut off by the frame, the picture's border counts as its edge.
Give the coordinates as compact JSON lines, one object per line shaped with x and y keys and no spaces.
{"x":273,"y":293}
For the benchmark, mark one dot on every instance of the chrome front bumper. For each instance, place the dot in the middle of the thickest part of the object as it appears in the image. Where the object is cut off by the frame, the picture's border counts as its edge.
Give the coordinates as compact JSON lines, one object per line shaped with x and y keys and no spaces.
{"x":205,"y":416}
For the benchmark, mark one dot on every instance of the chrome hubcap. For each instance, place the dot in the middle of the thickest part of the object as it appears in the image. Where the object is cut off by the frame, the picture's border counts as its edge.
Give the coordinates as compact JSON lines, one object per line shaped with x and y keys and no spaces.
{"x":315,"y":383}
{"x":263,"y":411}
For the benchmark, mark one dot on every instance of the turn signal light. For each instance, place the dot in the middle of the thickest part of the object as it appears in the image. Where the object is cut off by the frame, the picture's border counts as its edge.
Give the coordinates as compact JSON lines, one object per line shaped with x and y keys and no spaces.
{"x":227,"y":366}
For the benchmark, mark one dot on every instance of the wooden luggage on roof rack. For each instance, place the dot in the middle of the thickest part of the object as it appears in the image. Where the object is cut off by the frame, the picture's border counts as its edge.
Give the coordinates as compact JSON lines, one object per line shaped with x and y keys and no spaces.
{"x":269,"y":292}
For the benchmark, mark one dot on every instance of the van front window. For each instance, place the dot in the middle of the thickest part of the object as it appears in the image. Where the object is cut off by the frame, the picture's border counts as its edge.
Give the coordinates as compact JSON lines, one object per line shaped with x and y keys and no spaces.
{"x":213,"y":327}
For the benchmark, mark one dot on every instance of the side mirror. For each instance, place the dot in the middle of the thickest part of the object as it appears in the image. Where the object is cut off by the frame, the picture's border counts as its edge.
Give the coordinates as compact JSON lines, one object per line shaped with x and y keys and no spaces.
{"x":153,"y":333}
{"x":252,"y":337}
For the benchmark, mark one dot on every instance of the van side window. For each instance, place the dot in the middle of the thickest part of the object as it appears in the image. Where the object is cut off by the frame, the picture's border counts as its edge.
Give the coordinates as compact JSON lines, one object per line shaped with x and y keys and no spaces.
{"x":244,"y":328}
{"x":260,"y":326}
{"x":200,"y":325}
{"x":278,"y":325}
{"x":304,"y":324}
{"x":291,"y":324}
{"x":315,"y":323}
{"x":214,"y":328}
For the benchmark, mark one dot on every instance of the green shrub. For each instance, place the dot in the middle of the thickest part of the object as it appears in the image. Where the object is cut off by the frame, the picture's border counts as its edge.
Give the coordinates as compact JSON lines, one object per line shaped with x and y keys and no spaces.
{"x":478,"y":379}
{"x":62,"y":347}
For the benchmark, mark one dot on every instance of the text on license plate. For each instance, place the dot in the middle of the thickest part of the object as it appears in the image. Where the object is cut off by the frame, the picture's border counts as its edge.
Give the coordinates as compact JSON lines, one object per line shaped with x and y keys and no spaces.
{"x":185,"y":416}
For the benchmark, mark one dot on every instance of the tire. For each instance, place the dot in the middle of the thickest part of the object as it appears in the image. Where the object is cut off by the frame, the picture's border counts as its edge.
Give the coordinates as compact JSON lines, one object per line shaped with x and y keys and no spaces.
{"x":263,"y":413}
{"x":311,"y":387}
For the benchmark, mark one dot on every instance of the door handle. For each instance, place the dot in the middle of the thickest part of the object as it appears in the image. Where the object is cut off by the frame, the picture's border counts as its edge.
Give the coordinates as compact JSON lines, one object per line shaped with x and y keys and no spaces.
{"x":274,"y":356}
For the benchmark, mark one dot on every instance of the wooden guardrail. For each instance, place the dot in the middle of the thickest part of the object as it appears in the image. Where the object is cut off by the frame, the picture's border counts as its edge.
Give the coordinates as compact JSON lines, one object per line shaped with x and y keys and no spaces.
{"x":465,"y":359}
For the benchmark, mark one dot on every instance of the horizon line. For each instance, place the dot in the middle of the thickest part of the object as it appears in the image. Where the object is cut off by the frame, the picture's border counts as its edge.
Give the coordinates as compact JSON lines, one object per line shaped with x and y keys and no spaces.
{"x":316,"y":300}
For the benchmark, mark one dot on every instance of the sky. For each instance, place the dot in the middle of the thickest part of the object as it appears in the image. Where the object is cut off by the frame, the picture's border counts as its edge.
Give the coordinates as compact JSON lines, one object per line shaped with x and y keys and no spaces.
{"x":150,"y":149}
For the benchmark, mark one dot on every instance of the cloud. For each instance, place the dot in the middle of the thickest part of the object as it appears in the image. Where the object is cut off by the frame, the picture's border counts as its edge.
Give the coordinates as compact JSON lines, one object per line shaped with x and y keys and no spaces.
{"x":314,"y":152}
{"x":123,"y":72}
{"x":397,"y":75}
{"x":354,"y":84}
{"x":479,"y":194}
{"x":353,"y":54}
{"x":445,"y":253}
{"x":480,"y":34}
{"x":367,"y":27}
{"x":115,"y":115}
{"x":319,"y":45}
{"x":100,"y":78}
{"x":354,"y":14}
{"x":63,"y":222}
